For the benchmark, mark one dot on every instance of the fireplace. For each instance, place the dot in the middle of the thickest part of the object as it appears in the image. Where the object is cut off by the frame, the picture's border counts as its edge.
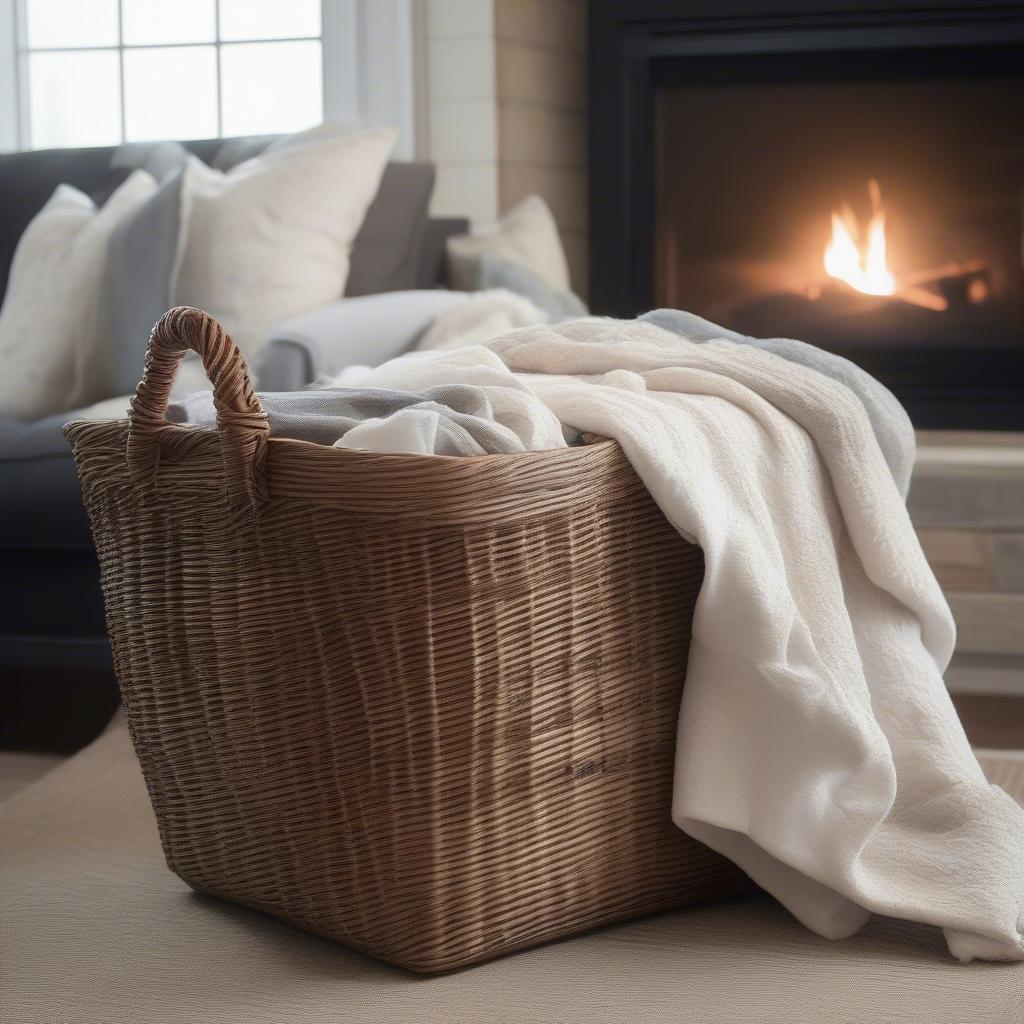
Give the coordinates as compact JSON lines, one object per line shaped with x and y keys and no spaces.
{"x":849,"y":175}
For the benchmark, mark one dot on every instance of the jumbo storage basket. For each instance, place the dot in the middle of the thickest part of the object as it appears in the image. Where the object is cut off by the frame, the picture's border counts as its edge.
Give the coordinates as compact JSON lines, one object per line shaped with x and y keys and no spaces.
{"x":424,"y":706}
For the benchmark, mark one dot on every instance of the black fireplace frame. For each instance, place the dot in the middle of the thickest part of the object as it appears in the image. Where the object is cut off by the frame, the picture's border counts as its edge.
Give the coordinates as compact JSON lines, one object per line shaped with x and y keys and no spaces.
{"x":632,"y":43}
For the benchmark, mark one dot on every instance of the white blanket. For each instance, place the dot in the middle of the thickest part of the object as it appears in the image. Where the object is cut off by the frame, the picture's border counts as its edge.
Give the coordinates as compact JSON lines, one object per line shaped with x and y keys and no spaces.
{"x":817,"y":745}
{"x":484,"y":315}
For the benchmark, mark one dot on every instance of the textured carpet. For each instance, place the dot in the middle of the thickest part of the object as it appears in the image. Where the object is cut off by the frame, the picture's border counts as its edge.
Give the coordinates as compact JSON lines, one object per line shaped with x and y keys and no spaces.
{"x":18,"y":770}
{"x":94,"y":928}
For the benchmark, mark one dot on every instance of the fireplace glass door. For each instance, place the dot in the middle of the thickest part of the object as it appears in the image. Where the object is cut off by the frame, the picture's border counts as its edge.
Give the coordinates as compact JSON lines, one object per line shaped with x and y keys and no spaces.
{"x":870,"y":204}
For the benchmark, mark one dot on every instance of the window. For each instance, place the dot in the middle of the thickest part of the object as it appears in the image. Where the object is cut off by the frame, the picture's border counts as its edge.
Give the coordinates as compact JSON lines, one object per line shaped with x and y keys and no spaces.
{"x":101,"y":72}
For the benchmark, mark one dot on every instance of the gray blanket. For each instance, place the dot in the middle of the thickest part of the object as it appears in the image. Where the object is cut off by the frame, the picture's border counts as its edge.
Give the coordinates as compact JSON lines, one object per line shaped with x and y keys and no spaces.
{"x":889,"y":420}
{"x":466,"y":423}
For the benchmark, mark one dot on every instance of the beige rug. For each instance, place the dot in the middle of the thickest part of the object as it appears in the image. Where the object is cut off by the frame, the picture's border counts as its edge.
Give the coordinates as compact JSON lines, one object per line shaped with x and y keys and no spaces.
{"x":94,"y":928}
{"x":18,"y":770}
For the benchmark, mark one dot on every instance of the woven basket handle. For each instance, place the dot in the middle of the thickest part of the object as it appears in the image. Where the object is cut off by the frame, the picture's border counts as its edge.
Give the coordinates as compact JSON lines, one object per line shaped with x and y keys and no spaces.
{"x":241,"y":421}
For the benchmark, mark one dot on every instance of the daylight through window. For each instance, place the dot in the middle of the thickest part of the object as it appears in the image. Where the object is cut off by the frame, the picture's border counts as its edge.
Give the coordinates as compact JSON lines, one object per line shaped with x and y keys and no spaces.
{"x":99,"y":72}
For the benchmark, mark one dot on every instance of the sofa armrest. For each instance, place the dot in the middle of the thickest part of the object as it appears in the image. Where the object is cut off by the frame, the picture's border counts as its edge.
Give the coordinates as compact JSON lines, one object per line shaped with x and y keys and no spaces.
{"x":367,"y":330}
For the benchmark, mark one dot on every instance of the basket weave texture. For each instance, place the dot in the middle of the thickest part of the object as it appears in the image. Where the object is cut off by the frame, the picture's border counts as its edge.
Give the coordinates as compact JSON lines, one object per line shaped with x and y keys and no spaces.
{"x":424,"y":706}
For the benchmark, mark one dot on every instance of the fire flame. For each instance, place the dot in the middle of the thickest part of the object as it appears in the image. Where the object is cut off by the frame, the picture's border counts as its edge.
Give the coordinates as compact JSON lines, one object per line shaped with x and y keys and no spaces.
{"x":864,"y":269}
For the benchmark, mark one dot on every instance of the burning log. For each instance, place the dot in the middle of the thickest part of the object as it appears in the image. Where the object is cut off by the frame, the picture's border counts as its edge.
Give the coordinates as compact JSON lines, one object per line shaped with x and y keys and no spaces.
{"x":946,"y":270}
{"x":960,"y":284}
{"x":918,"y":296}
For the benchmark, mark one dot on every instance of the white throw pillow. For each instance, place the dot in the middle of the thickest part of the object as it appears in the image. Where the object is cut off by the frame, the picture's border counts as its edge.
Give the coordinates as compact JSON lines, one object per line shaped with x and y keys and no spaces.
{"x":326,"y":132}
{"x":50,"y":322}
{"x":271,"y":238}
{"x":527,"y":235}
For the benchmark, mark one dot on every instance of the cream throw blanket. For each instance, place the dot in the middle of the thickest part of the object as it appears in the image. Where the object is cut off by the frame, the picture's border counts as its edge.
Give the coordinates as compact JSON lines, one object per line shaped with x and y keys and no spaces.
{"x":817,"y":745}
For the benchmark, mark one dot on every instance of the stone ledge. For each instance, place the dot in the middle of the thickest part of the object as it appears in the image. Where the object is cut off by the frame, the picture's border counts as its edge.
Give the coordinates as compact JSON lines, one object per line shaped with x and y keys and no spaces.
{"x":975,"y":560}
{"x":968,"y":481}
{"x":988,"y":623}
{"x":986,"y":673}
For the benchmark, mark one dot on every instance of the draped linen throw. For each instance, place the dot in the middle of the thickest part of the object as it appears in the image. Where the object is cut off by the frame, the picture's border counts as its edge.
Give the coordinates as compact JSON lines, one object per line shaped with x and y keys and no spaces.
{"x":889,"y":419}
{"x":817,"y":745}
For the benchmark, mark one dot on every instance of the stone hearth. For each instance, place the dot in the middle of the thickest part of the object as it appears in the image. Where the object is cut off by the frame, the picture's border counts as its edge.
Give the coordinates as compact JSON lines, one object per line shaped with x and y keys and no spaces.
{"x":967,"y":502}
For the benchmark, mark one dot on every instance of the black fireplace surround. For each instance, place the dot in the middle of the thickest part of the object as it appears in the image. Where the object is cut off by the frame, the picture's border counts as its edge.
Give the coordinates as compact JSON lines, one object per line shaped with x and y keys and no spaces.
{"x":678,"y":71}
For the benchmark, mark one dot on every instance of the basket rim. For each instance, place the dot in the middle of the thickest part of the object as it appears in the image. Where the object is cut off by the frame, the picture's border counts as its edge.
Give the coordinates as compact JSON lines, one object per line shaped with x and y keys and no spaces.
{"x":439,"y":490}
{"x":592,"y":443}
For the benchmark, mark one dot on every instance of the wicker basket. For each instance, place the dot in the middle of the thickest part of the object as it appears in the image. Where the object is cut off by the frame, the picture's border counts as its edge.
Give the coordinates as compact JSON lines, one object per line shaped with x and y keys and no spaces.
{"x":422,"y":706}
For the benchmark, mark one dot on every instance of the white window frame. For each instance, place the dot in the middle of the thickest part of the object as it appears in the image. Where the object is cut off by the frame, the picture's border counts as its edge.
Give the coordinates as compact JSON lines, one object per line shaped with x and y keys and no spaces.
{"x":10,"y":84}
{"x":369,"y":72}
{"x":367,"y":48}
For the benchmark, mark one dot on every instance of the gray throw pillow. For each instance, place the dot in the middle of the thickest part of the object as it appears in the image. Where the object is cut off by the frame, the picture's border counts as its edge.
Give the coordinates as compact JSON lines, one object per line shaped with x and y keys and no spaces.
{"x":236,"y":151}
{"x":161,"y":159}
{"x":140,"y":261}
{"x":495,"y":272}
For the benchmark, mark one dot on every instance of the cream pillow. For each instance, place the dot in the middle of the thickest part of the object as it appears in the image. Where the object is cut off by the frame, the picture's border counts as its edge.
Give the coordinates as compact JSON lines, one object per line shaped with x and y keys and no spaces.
{"x":271,"y":238}
{"x":50,"y":323}
{"x":527,"y":235}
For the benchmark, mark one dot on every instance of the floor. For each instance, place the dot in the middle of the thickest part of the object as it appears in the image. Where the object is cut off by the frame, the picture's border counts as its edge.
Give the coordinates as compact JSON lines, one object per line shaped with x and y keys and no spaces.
{"x":18,"y":769}
{"x":100,"y":931}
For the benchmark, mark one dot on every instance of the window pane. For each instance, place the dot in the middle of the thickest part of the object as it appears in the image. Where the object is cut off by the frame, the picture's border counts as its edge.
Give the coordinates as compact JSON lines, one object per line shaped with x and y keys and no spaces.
{"x":270,"y":87}
{"x":71,"y":23}
{"x":269,"y":19}
{"x":75,"y":99}
{"x":170,"y":93}
{"x":168,"y":21}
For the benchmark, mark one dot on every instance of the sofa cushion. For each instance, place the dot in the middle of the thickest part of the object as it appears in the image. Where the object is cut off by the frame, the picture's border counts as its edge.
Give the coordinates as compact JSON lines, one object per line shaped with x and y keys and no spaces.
{"x":527,"y":235}
{"x":236,"y":151}
{"x":141,"y":258}
{"x":384,"y":256}
{"x":52,"y":325}
{"x":40,"y":498}
{"x":160,"y":159}
{"x":27,"y":180}
{"x":559,"y":303}
{"x":273,"y":237}
{"x":52,"y":606}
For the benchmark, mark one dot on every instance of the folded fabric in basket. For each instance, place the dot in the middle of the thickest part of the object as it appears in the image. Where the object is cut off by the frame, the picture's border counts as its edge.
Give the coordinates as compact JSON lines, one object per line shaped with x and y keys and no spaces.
{"x":511,"y":401}
{"x":448,"y":419}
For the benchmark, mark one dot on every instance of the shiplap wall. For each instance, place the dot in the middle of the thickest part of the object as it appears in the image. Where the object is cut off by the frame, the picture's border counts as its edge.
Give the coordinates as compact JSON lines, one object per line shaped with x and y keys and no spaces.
{"x":458,"y":127}
{"x":540,"y":62}
{"x":502,"y":110}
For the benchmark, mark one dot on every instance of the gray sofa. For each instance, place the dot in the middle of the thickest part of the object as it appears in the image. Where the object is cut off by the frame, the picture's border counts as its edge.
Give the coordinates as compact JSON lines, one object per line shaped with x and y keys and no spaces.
{"x":56,"y":679}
